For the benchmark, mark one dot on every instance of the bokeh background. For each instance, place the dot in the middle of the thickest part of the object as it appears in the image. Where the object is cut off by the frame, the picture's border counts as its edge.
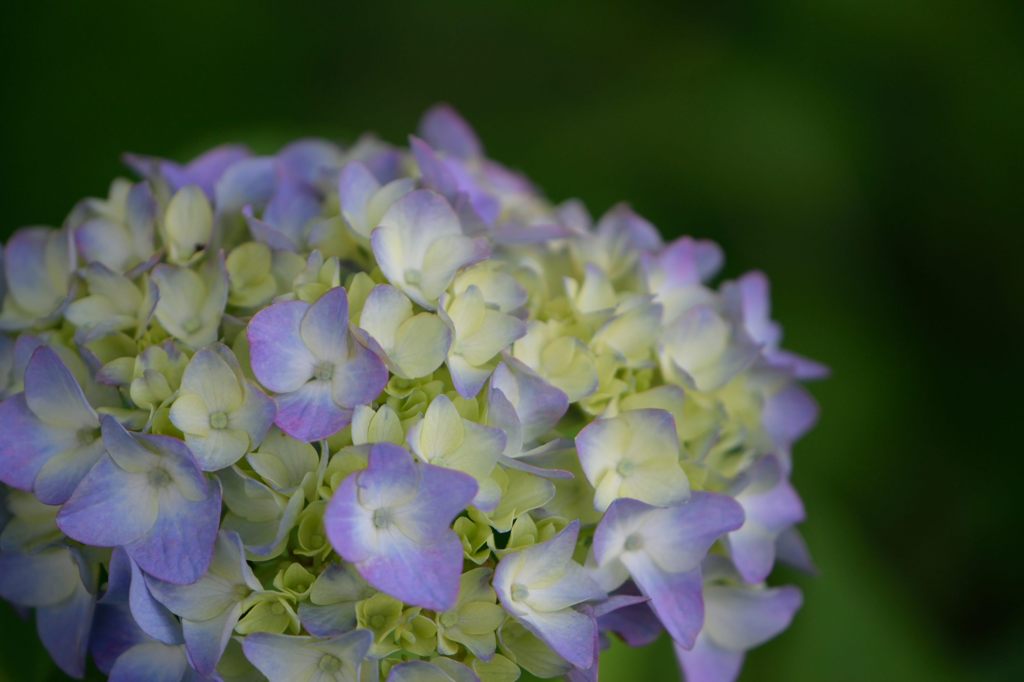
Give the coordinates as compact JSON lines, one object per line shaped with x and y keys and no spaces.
{"x":867,"y":154}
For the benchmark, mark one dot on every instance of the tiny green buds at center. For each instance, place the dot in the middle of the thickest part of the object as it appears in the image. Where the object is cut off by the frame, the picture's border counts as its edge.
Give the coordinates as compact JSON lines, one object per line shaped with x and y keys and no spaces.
{"x":329,"y":664}
{"x":192,"y":325}
{"x":413,"y":276}
{"x":218,"y":420}
{"x":324,"y":371}
{"x":634,"y":542}
{"x":382,"y":517}
{"x":519,"y":591}
{"x":158,"y":478}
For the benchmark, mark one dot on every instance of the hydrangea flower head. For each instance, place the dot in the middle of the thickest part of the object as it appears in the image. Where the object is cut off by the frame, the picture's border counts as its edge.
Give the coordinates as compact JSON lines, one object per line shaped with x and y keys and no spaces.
{"x":373,"y":412}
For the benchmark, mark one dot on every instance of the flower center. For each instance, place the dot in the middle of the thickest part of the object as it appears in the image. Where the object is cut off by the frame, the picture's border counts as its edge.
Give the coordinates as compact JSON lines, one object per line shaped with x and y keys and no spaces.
{"x":218,"y":420}
{"x":413,"y":276}
{"x":277,"y":609}
{"x":329,"y":664}
{"x":634,"y":542}
{"x":158,"y":478}
{"x":377,"y":621}
{"x":85,"y":436}
{"x":625,"y":468}
{"x":519,"y":592}
{"x":382,"y":517}
{"x":192,"y":325}
{"x":449,"y":619}
{"x":324,"y":371}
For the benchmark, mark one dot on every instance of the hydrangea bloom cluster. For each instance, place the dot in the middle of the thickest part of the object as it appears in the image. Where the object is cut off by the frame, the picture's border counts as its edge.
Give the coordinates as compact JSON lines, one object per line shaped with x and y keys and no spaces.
{"x":386,"y":413}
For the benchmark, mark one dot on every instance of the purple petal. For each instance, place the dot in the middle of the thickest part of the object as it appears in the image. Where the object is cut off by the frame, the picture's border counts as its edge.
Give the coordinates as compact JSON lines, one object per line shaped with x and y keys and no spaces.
{"x":53,"y":394}
{"x":152,"y":662}
{"x":44,"y":578}
{"x":27,"y":271}
{"x":324,"y":327}
{"x":310,"y":413}
{"x":437,"y":175}
{"x":636,"y":624}
{"x":356,"y":186}
{"x":61,"y":475}
{"x":444,"y":129}
{"x":27,"y":443}
{"x":740,"y":618}
{"x":110,"y":507}
{"x":152,"y":617}
{"x":538,"y":404}
{"x":279,"y":358}
{"x":248,"y":182}
{"x":361,"y":378}
{"x":64,"y":630}
{"x":708,"y":662}
{"x":422,"y":671}
{"x":675,"y":597}
{"x":789,"y":414}
{"x":179,"y":547}
{"x":291,"y":208}
{"x":791,"y":549}
{"x":205,"y":641}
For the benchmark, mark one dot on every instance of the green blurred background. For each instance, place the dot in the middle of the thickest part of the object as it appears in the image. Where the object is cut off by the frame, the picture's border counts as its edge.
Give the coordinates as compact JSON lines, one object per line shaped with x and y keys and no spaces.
{"x":867,"y":154}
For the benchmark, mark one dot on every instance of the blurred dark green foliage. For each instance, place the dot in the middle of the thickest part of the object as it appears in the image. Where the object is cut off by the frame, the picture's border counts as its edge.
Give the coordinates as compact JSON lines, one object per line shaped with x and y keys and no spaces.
{"x":868,"y":155}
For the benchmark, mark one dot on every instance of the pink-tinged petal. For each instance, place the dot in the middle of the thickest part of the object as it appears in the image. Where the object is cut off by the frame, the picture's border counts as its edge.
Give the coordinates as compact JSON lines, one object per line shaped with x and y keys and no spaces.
{"x":538,"y":404}
{"x":708,"y":662}
{"x":675,"y":597}
{"x":27,"y":443}
{"x":61,"y":475}
{"x":286,"y":659}
{"x":151,"y":661}
{"x":310,"y":413}
{"x":789,"y":414}
{"x":53,"y":394}
{"x":248,"y":182}
{"x":444,"y":129}
{"x":110,"y":507}
{"x":179,"y":547}
{"x":64,"y":629}
{"x":279,"y":358}
{"x":324,"y":327}
{"x":740,"y":618}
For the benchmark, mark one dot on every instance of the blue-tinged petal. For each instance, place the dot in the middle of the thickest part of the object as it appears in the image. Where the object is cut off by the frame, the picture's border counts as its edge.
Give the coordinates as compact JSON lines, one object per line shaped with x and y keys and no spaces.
{"x":62,"y":474}
{"x":127,"y":452}
{"x":64,"y":629}
{"x":298,"y":659}
{"x":255,"y":416}
{"x":179,"y":547}
{"x":360,"y":379}
{"x":310,"y":413}
{"x":444,"y":129}
{"x":44,"y":578}
{"x":636,"y":624}
{"x":28,"y":443}
{"x":53,"y":395}
{"x":422,"y":671}
{"x":280,"y":359}
{"x":114,"y":632}
{"x":538,"y":404}
{"x":110,"y":507}
{"x":425,"y":575}
{"x":441,"y":495}
{"x":789,"y":414}
{"x":152,"y":616}
{"x":708,"y":662}
{"x":570,"y":633}
{"x":206,"y":640}
{"x":356,"y":186}
{"x":675,"y":597}
{"x":37,"y":268}
{"x":324,"y":327}
{"x":741,"y":618}
{"x":152,"y":662}
{"x":250,"y":181}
